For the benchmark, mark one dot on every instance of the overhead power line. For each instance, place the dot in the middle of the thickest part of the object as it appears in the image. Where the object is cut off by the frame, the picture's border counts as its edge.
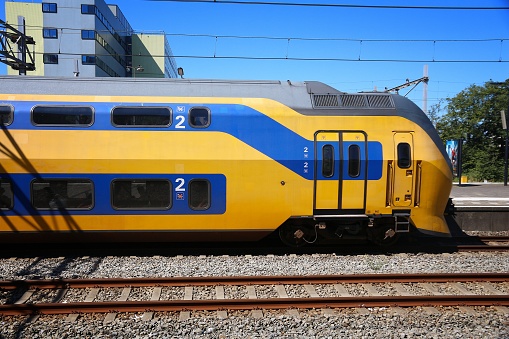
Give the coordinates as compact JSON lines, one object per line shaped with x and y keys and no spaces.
{"x":301,"y":4}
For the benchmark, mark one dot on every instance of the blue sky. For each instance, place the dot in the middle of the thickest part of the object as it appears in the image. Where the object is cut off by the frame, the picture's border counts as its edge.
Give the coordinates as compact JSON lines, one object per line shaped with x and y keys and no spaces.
{"x":350,"y":36}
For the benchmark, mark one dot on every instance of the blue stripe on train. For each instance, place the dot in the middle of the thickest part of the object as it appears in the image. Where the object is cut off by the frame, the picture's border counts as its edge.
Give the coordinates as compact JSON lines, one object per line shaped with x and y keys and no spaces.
{"x":102,"y":198}
{"x":237,"y":120}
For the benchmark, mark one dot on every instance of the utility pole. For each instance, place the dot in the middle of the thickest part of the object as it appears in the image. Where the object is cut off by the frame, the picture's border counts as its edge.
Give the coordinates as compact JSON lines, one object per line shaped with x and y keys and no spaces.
{"x":10,"y":35}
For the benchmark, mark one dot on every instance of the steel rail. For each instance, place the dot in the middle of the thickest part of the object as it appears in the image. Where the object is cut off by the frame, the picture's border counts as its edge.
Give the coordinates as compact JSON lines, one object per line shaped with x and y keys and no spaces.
{"x":252,"y":280}
{"x":246,"y":304}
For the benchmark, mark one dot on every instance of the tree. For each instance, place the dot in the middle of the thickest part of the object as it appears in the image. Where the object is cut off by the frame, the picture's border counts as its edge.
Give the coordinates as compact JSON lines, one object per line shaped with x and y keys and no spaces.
{"x":474,"y":116}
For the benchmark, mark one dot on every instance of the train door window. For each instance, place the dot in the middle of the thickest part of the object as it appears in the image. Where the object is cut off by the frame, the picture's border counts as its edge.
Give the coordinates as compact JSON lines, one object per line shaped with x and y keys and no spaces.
{"x":150,"y":194}
{"x":141,"y":116}
{"x":58,"y":194}
{"x":328,"y":161}
{"x":354,"y":161}
{"x":199,"y":194}
{"x":404,"y":155}
{"x":6,"y":114}
{"x":63,"y":115}
{"x":199,"y":117}
{"x":6,"y":195}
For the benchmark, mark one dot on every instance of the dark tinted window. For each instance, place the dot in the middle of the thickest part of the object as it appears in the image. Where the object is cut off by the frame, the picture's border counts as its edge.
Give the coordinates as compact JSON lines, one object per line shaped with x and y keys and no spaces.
{"x":88,"y":59}
{"x":62,"y":115}
{"x":6,"y":195}
{"x":404,"y":155}
{"x":141,"y":194}
{"x":141,"y":116}
{"x":199,"y":117}
{"x":87,"y":34}
{"x":6,"y":114}
{"x":50,"y":58}
{"x":50,"y":33}
{"x":62,"y":194}
{"x":354,"y":161}
{"x":87,"y":9}
{"x":49,"y":7}
{"x":328,"y":161}
{"x":199,"y":194}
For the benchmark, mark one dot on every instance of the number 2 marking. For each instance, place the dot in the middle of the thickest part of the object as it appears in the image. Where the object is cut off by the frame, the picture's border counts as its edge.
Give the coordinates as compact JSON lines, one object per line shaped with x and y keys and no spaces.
{"x":181,"y":120}
{"x":181,"y":182}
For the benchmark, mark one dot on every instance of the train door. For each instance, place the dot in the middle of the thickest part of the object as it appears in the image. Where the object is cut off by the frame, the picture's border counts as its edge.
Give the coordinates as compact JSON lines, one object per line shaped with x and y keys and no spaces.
{"x":403,"y":170}
{"x":340,"y":176}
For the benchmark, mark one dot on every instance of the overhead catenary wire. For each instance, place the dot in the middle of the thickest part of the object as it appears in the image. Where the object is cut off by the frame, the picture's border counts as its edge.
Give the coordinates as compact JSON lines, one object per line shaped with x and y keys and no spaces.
{"x":332,"y":5}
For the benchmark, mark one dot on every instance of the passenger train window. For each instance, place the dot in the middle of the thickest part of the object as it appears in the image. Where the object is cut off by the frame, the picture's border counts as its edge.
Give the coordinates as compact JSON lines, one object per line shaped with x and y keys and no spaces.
{"x":354,"y":161}
{"x":62,"y":115}
{"x":62,"y":194}
{"x":150,"y":194}
{"x":6,"y":114}
{"x":6,"y":195}
{"x":328,"y":161}
{"x":146,"y":116}
{"x":404,"y":155}
{"x":199,"y":194}
{"x":199,"y":117}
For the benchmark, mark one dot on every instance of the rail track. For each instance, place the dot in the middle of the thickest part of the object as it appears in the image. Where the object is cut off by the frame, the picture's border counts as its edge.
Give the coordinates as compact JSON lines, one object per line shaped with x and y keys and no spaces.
{"x":488,"y":243}
{"x":35,"y":297}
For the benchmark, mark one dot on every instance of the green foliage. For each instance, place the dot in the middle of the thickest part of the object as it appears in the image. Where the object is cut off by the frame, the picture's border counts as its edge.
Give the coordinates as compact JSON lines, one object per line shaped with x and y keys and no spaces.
{"x":474,"y":116}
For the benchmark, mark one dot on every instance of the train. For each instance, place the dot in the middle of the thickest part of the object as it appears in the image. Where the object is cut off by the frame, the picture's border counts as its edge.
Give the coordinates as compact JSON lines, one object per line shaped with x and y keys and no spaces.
{"x":181,"y":160}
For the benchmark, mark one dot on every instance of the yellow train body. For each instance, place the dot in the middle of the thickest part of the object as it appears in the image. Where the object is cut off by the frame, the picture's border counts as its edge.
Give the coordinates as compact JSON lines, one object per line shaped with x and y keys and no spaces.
{"x":266,"y":162}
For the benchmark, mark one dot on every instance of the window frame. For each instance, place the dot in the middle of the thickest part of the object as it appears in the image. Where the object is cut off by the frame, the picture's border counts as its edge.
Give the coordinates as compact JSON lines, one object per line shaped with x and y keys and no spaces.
{"x":11,"y":115}
{"x":404,"y":160}
{"x":34,"y":108}
{"x":209,"y":118}
{"x":141,"y":108}
{"x":6,"y":182}
{"x":208,"y":195}
{"x":144,"y":181}
{"x":47,"y":59}
{"x":47,"y":33}
{"x":85,"y":34}
{"x":330,"y":161}
{"x":49,"y":7}
{"x":88,"y":7}
{"x":354,"y":167}
{"x":62,"y":207}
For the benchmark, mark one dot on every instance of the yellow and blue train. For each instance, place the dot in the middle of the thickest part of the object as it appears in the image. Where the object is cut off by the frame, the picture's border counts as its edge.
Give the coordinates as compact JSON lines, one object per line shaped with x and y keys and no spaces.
{"x":108,"y":159}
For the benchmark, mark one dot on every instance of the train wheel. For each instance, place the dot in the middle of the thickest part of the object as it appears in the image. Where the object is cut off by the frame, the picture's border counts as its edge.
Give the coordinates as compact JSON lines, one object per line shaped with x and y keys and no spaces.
{"x":292,"y":235}
{"x":384,"y":235}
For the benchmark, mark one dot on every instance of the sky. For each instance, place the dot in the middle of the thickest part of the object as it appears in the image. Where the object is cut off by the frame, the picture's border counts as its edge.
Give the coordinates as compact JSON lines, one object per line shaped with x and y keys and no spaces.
{"x":352,"y":49}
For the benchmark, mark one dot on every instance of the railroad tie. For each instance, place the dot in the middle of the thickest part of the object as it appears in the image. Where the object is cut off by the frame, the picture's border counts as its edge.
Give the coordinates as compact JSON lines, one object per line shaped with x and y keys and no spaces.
{"x":490,"y":288}
{"x":310,"y":289}
{"x":281,"y":292}
{"x":251,"y":294}
{"x":221,"y":314}
{"x":123,"y":297}
{"x":156,"y":294}
{"x":92,"y":294}
{"x":463,"y":291}
{"x":188,"y":295}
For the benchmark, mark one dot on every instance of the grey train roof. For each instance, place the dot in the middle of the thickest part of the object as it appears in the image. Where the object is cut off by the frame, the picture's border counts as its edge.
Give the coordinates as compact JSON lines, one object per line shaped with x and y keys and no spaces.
{"x":308,"y":98}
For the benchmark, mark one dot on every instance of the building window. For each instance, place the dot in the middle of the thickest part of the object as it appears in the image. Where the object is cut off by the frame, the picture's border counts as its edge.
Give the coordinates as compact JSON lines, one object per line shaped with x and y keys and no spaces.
{"x":199,"y":194}
{"x":149,"y":194}
{"x":6,"y":195}
{"x":88,"y":59}
{"x":50,"y":33}
{"x":6,"y":114}
{"x":62,"y":115}
{"x":141,"y":116}
{"x":354,"y":161}
{"x":49,"y":7}
{"x":62,"y":194}
{"x":199,"y":117}
{"x":50,"y":58}
{"x":87,"y":9}
{"x":328,"y":161}
{"x":87,"y":34}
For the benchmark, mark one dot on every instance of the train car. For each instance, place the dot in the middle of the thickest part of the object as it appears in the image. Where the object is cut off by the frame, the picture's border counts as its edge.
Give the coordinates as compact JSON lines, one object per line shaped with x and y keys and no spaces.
{"x":109,"y":159}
